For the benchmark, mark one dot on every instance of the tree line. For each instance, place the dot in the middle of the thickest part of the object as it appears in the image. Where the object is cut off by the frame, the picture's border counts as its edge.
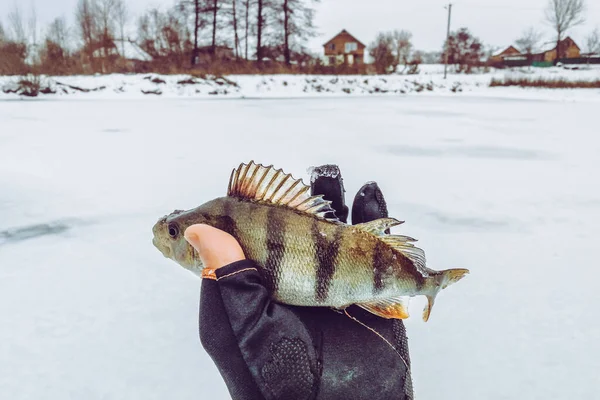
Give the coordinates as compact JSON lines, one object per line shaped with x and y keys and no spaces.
{"x":466,"y":52}
{"x":230,"y":36}
{"x":181,"y":36}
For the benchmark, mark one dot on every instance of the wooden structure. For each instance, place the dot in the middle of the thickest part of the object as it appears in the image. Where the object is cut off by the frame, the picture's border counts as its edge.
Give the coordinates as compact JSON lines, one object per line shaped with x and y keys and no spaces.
{"x":510,"y":51}
{"x":567,"y":49}
{"x":344,"y":48}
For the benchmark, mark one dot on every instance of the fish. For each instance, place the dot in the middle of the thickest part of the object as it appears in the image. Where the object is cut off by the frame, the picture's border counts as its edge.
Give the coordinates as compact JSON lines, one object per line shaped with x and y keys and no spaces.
{"x":306,"y":256}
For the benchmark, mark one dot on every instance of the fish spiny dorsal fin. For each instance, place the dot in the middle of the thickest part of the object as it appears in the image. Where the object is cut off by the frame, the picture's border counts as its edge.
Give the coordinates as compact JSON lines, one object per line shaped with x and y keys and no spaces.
{"x":379,"y":226}
{"x":255,"y":182}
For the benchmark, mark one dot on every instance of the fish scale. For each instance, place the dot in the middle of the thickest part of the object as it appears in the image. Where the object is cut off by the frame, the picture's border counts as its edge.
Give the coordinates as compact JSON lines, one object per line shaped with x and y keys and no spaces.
{"x":307,"y":257}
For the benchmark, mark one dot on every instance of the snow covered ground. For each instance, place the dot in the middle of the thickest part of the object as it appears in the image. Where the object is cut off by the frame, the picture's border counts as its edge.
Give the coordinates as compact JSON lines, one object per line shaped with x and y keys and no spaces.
{"x":503,"y":185}
{"x":430,"y":80}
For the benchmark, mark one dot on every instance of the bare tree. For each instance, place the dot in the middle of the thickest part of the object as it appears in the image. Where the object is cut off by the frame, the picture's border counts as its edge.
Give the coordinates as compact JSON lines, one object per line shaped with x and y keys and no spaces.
{"x":197,"y":24}
{"x":166,"y":35}
{"x":215,"y":10}
{"x":298,"y":24}
{"x":529,"y":41}
{"x":235,"y":25}
{"x":464,"y":50}
{"x":87,"y":24}
{"x":17,"y":28}
{"x":199,"y":9}
{"x":265,"y":13}
{"x":121,"y":17}
{"x":32,"y":26}
{"x":54,"y":54}
{"x":563,"y":15}
{"x":2,"y":33}
{"x":402,"y":46}
{"x":246,"y":26}
{"x":260,"y":24}
{"x":106,"y":16}
{"x":592,"y":42}
{"x":58,"y":32}
{"x":382,"y":52}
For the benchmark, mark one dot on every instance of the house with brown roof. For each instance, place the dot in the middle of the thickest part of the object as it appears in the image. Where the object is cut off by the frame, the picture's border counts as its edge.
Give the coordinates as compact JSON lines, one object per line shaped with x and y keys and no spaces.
{"x":567,"y":49}
{"x":344,"y":48}
{"x":510,"y":51}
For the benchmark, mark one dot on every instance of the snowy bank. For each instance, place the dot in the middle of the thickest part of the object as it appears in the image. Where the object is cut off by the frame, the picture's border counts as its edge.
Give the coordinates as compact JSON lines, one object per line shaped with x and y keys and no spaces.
{"x":431,"y":79}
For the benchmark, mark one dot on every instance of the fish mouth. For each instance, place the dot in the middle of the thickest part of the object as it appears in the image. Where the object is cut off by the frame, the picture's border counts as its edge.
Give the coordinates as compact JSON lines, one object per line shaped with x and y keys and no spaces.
{"x":165,"y":250}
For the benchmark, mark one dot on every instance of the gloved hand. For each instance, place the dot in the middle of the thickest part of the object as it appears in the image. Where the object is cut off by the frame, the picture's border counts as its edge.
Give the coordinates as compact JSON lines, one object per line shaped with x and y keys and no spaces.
{"x":267,"y":350}
{"x":368,"y":205}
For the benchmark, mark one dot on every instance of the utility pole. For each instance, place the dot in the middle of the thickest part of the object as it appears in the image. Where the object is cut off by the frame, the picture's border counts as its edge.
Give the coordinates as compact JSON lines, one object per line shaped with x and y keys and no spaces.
{"x":447,"y":40}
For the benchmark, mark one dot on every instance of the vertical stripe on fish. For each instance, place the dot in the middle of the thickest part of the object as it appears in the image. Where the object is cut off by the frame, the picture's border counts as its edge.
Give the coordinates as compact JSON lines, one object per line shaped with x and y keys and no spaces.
{"x":381,"y":261}
{"x":326,"y":254}
{"x":276,"y":229}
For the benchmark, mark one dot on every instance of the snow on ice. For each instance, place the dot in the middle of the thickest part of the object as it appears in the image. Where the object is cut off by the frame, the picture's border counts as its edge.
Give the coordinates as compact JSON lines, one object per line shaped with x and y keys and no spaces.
{"x":502,"y":185}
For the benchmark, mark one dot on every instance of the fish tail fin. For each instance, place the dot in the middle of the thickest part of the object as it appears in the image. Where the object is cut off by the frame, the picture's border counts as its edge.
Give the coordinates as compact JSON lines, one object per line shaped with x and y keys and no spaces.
{"x":450,"y":276}
{"x":444,"y":278}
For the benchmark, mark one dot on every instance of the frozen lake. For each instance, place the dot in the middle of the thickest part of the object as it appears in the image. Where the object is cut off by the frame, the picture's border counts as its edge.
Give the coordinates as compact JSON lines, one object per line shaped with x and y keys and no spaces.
{"x":506,"y":187}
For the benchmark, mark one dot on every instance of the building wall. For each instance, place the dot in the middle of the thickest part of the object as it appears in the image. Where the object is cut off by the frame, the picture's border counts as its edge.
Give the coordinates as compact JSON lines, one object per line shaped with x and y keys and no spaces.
{"x":350,"y":59}
{"x":498,"y":58}
{"x":573,"y":52}
{"x":339,"y":45}
{"x":570,"y":52}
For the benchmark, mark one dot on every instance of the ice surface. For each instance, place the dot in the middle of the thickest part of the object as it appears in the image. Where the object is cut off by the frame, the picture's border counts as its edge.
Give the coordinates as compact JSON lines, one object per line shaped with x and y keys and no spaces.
{"x":504,"y":186}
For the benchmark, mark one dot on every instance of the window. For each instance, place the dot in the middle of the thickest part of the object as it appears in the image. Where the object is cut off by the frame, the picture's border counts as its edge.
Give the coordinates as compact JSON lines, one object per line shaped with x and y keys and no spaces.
{"x":331,"y":60}
{"x":332,"y":46}
{"x":351,"y":47}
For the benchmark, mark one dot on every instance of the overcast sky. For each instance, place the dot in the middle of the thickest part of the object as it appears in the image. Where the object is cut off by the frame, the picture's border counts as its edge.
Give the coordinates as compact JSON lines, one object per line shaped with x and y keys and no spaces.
{"x":495,"y":22}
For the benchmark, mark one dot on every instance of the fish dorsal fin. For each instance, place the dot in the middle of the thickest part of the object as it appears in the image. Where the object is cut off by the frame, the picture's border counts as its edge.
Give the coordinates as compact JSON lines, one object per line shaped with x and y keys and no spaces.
{"x":400,"y":243}
{"x":379,"y":226}
{"x":255,"y":182}
{"x":404,"y":245}
{"x":396,"y":307}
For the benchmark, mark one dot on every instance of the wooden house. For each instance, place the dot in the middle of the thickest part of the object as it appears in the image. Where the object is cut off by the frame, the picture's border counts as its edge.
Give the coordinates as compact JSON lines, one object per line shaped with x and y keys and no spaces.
{"x":344,"y":48}
{"x":567,"y":49}
{"x":510,"y":51}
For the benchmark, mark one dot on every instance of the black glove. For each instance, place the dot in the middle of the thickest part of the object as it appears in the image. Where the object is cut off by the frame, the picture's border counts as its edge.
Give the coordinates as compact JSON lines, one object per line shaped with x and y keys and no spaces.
{"x":369,"y":204}
{"x":327,"y":180}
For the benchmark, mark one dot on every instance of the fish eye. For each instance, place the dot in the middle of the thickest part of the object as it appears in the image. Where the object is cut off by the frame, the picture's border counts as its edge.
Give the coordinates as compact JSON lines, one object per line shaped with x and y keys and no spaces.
{"x":173,"y":230}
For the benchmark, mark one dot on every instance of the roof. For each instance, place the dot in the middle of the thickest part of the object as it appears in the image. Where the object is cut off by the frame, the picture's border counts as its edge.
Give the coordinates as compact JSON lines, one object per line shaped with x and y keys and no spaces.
{"x":499,"y":53}
{"x":553,"y":44}
{"x":131,"y":51}
{"x":343,"y":31}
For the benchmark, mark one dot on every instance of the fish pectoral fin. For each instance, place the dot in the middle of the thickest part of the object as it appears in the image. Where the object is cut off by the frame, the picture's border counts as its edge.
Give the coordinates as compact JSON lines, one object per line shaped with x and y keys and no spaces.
{"x":389,"y":308}
{"x":255,"y":182}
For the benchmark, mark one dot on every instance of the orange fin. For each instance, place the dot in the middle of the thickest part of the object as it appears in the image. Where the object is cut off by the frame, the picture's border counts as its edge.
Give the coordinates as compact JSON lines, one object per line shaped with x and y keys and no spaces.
{"x":390,"y":308}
